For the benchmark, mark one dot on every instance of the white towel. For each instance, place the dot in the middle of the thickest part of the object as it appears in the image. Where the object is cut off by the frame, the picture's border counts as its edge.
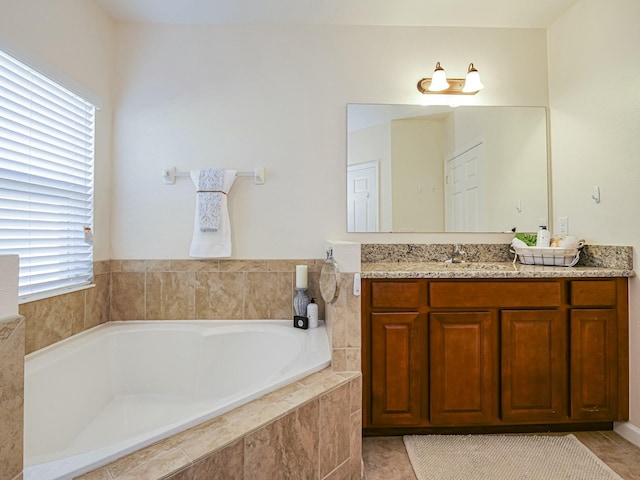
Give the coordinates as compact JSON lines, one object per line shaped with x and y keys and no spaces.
{"x":209,"y":198}
{"x":213,"y":244}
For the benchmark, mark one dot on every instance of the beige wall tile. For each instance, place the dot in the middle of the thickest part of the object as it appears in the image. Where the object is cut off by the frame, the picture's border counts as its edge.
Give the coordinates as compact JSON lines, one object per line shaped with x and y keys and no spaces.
{"x":290,"y":265}
{"x":355,"y":447}
{"x":268,"y":295}
{"x":334,"y":437}
{"x":339,"y":330}
{"x":314,"y":292}
{"x":286,"y":448}
{"x":127,"y":296}
{"x":97,"y":298}
{"x":243,"y":265}
{"x":339,"y":359}
{"x":59,"y":317}
{"x":162,"y":465}
{"x":8,"y":327}
{"x":219,"y":295}
{"x":210,"y":265}
{"x":201,"y":440}
{"x":99,"y":474}
{"x":343,"y":472}
{"x":355,"y":390}
{"x":101,"y":267}
{"x":12,"y":343}
{"x":141,"y":265}
{"x":186,"y":474}
{"x":226,"y":464}
{"x":354,"y":363}
{"x":170,"y":295}
{"x":29,"y":311}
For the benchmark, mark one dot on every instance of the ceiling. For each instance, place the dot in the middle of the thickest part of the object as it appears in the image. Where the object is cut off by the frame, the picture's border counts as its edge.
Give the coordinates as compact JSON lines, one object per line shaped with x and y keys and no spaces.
{"x":464,"y":13}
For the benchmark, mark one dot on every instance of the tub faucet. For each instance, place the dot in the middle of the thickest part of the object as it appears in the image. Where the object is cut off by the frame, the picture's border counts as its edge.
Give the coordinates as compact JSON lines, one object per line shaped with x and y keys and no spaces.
{"x":456,"y":256}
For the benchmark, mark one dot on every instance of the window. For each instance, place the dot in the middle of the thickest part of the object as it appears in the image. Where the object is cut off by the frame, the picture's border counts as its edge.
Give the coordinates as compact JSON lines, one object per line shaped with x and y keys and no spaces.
{"x":46,"y":180}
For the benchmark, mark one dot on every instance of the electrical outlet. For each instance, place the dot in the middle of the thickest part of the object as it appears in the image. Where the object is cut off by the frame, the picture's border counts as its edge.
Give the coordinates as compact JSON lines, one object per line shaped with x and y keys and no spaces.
{"x":563,"y":225}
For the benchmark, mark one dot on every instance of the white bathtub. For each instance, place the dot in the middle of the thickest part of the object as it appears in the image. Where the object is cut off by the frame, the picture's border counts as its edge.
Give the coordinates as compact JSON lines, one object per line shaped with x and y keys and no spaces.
{"x":121,"y":386}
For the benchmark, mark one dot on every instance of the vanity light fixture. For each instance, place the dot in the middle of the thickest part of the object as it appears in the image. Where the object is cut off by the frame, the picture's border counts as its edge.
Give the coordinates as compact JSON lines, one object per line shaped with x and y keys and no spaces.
{"x":452,"y":86}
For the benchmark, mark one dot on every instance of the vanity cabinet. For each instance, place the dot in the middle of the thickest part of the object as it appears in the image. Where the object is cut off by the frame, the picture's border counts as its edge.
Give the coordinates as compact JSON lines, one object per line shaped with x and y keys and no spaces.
{"x":497,"y":353}
{"x":463,"y":353}
{"x":533,"y":365}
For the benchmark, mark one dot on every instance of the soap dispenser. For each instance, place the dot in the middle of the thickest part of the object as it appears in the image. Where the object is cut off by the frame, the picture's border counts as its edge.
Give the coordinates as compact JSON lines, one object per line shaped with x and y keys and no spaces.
{"x":544,"y":237}
{"x":312,"y":313}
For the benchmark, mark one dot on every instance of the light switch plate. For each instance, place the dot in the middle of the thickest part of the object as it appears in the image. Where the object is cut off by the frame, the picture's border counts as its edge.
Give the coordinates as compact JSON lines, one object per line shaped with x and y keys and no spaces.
{"x":563,"y":225}
{"x":356,"y":285}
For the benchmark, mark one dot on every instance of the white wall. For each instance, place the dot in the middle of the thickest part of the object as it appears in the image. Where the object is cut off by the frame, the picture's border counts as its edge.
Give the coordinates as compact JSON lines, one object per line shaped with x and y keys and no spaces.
{"x":275,"y":96}
{"x":74,"y":39}
{"x":594,"y":96}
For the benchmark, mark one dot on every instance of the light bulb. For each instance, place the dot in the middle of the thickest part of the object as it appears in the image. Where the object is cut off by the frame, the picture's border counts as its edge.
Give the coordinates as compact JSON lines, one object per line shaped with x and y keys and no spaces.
{"x":439,"y":80}
{"x":472,"y":83}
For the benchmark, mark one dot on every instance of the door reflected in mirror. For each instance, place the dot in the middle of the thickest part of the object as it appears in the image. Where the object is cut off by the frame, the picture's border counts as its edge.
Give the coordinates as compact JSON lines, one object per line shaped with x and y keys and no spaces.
{"x":417,"y":168}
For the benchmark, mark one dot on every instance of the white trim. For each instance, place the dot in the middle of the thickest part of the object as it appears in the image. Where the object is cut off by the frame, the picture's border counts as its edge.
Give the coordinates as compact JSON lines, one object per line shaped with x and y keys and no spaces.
{"x":54,"y":293}
{"x":628,"y":431}
{"x":49,"y":71}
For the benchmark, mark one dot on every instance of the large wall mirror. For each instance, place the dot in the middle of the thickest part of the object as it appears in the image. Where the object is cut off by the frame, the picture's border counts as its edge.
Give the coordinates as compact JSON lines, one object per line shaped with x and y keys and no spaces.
{"x":446,"y":169}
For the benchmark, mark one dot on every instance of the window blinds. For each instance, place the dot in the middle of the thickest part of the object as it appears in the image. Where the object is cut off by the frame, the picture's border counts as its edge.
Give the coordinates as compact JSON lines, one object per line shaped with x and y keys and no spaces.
{"x":46,"y":179}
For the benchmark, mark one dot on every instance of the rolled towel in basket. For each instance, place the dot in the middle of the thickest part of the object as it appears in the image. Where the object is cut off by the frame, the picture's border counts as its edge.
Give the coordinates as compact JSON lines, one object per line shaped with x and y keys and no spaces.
{"x":517,"y":243}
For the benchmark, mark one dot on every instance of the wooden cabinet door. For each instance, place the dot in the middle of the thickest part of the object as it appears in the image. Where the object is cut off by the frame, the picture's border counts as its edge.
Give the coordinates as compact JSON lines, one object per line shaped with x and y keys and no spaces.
{"x":398,"y":368}
{"x":463,"y":368}
{"x":534,"y":365}
{"x":594,"y":364}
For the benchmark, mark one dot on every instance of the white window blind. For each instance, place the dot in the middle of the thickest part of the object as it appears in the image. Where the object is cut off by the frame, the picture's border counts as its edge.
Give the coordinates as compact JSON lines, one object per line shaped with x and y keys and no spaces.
{"x":46,"y":179}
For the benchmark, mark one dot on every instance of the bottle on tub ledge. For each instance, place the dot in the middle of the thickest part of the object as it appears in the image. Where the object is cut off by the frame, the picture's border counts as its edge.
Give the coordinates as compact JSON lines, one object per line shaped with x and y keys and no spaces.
{"x":544,"y":237}
{"x":312,"y":313}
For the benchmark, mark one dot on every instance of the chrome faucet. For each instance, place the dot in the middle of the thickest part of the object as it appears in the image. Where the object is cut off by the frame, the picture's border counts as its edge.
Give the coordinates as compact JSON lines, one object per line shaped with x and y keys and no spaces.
{"x":456,"y":256}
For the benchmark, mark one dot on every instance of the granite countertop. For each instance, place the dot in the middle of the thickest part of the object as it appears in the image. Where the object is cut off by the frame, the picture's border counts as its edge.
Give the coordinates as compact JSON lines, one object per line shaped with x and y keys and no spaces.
{"x":486,"y":261}
{"x":484,"y":270}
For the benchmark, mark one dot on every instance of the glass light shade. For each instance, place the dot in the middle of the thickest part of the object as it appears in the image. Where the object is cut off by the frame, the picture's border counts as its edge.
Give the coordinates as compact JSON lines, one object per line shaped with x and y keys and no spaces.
{"x":472,"y":83}
{"x":439,"y":80}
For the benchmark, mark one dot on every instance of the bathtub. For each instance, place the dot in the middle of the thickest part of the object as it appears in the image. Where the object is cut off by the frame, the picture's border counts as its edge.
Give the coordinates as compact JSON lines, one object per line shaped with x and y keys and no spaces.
{"x":118,"y":387}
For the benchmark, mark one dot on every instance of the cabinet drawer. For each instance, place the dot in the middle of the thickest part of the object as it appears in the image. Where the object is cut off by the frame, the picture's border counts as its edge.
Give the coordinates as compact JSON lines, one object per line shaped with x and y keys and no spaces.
{"x":397,"y":295}
{"x":593,"y":293}
{"x":495,"y":294}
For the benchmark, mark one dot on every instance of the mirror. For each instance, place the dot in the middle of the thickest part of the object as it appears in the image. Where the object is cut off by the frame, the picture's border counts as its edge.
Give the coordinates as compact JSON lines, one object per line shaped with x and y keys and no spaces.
{"x":434,"y":168}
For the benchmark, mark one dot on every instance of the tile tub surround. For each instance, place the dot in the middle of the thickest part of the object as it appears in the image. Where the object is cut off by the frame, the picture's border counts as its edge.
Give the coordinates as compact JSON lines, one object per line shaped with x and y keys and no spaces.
{"x":12,"y":331}
{"x":208,"y":289}
{"x":228,"y":289}
{"x":167,"y":290}
{"x":310,"y":429}
{"x":344,"y":326}
{"x":53,"y":319}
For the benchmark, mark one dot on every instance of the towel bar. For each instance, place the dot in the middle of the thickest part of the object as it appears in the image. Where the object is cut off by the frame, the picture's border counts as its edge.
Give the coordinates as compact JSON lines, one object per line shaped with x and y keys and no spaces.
{"x":169,"y":175}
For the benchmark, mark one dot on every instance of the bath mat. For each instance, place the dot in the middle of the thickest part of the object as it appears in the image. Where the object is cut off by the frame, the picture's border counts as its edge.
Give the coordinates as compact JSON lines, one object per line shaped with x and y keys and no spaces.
{"x":504,"y":457}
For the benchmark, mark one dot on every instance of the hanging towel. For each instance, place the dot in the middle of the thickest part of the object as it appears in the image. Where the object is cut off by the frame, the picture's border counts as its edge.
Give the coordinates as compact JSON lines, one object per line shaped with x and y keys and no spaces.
{"x":212,"y":244}
{"x":210,"y":198}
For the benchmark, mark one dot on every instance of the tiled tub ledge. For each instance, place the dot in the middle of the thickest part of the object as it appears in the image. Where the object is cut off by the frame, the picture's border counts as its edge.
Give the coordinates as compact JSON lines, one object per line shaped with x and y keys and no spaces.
{"x":309,"y":429}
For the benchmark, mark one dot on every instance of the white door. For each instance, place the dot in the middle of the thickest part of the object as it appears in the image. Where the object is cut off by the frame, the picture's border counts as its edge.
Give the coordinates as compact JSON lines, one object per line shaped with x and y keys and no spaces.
{"x":362,"y":197}
{"x":464,"y":190}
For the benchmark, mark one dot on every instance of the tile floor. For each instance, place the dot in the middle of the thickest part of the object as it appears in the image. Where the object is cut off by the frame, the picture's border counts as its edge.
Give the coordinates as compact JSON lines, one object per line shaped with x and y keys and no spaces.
{"x":385,"y":458}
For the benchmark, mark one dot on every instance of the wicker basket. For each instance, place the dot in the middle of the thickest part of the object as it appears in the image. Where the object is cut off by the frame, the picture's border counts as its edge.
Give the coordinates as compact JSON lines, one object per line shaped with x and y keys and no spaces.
{"x":550,"y":256}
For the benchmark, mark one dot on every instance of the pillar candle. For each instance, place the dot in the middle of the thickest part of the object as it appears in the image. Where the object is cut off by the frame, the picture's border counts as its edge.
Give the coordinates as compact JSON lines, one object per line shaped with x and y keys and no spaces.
{"x":301,"y":276}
